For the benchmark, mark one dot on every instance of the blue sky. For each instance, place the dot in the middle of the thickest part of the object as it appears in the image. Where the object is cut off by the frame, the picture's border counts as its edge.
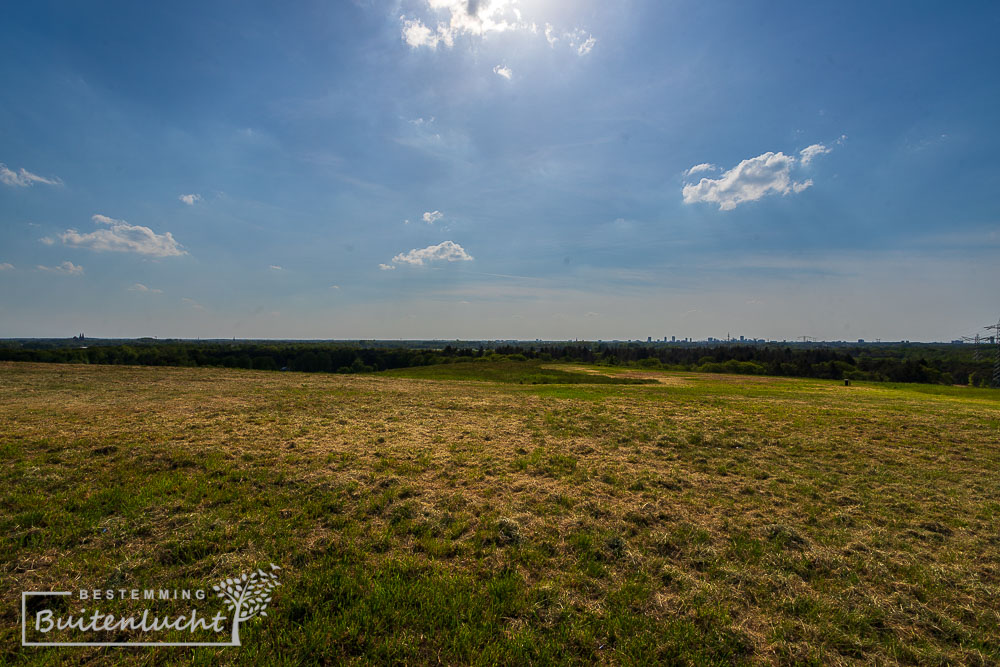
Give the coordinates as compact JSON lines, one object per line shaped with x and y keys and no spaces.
{"x":500,"y":169}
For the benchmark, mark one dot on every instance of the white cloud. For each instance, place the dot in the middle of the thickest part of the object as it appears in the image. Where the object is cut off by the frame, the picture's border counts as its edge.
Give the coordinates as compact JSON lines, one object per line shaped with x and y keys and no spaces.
{"x":47,"y":240}
{"x":123,"y":237}
{"x":503,"y":71}
{"x":416,"y":34}
{"x":750,"y":180}
{"x":6,"y":266}
{"x":550,"y":35}
{"x":446,"y":20}
{"x":698,"y":168}
{"x":66,"y":269}
{"x":430,"y":217}
{"x":387,"y":267}
{"x":809,"y":152}
{"x":334,"y":286}
{"x":194,"y":304}
{"x":582,"y":46}
{"x":479,"y":17}
{"x":445,"y":251}
{"x":23,"y":178}
{"x":139,"y":287}
{"x":275,"y":267}
{"x":190,"y":200}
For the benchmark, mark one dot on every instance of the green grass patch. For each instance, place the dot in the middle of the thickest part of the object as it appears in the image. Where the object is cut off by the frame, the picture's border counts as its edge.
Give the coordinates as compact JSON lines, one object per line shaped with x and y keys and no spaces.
{"x":509,"y":372}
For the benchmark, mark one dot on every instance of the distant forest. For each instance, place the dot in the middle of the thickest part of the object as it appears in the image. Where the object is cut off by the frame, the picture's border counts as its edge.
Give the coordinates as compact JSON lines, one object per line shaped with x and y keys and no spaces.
{"x":912,"y":362}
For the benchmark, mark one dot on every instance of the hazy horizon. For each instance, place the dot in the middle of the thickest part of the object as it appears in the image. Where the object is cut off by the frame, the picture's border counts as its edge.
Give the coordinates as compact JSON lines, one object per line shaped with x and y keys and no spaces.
{"x":985,"y":340}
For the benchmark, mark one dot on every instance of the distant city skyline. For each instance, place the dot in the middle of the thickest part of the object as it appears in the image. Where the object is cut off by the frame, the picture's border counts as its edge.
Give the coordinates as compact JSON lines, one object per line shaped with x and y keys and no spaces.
{"x":984,"y":340}
{"x":500,"y":170}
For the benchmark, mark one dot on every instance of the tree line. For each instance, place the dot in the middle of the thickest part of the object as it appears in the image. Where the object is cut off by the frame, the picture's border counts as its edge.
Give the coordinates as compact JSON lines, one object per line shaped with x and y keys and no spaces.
{"x":936,"y":364}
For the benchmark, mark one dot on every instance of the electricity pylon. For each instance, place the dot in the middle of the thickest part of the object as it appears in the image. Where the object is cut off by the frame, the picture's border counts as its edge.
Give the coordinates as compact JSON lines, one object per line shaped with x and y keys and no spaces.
{"x":996,"y":359}
{"x":975,"y":340}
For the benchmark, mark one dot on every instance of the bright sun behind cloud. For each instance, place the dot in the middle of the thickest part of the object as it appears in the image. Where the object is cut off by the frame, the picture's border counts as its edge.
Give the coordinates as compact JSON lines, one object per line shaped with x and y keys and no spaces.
{"x":441,"y":23}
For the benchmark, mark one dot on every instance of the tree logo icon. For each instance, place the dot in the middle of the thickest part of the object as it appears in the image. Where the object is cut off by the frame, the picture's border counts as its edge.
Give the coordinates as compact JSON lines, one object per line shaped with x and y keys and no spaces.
{"x":247,"y":596}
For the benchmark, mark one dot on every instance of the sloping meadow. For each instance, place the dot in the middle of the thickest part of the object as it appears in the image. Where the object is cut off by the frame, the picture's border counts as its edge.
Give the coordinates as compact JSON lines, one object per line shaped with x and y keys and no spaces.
{"x":700,"y":518}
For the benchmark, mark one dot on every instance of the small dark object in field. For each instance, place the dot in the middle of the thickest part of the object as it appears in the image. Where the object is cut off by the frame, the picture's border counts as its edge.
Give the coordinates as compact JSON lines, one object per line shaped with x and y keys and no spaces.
{"x":785,"y":536}
{"x":936,"y":527}
{"x":508,"y":532}
{"x":847,"y":383}
{"x":616,"y":547}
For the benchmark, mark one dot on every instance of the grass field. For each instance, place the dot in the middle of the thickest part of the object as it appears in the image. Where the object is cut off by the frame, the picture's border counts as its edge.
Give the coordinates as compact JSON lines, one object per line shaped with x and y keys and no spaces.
{"x":483,"y":514}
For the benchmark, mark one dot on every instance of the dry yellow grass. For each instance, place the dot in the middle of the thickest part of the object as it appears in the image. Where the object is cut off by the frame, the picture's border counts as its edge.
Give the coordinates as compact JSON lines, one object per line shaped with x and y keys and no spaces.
{"x":762,"y":519}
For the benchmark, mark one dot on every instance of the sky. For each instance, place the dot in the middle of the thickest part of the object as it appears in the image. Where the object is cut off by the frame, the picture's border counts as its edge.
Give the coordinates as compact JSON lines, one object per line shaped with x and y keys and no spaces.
{"x":497,"y":169}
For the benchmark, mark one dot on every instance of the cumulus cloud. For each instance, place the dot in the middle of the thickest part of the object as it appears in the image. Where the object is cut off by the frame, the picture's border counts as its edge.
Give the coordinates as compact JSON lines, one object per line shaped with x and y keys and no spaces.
{"x":809,"y":152}
{"x":430,"y":217}
{"x":6,"y":266}
{"x":190,"y":200}
{"x":387,"y":267}
{"x":504,"y":71}
{"x":698,"y":168}
{"x":447,"y":251}
{"x":465,"y":17}
{"x":139,"y":287}
{"x":275,"y":267}
{"x":416,"y":34}
{"x":446,"y":20}
{"x":22,"y":178}
{"x":123,"y":237}
{"x":65,"y":269}
{"x":751,"y":179}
